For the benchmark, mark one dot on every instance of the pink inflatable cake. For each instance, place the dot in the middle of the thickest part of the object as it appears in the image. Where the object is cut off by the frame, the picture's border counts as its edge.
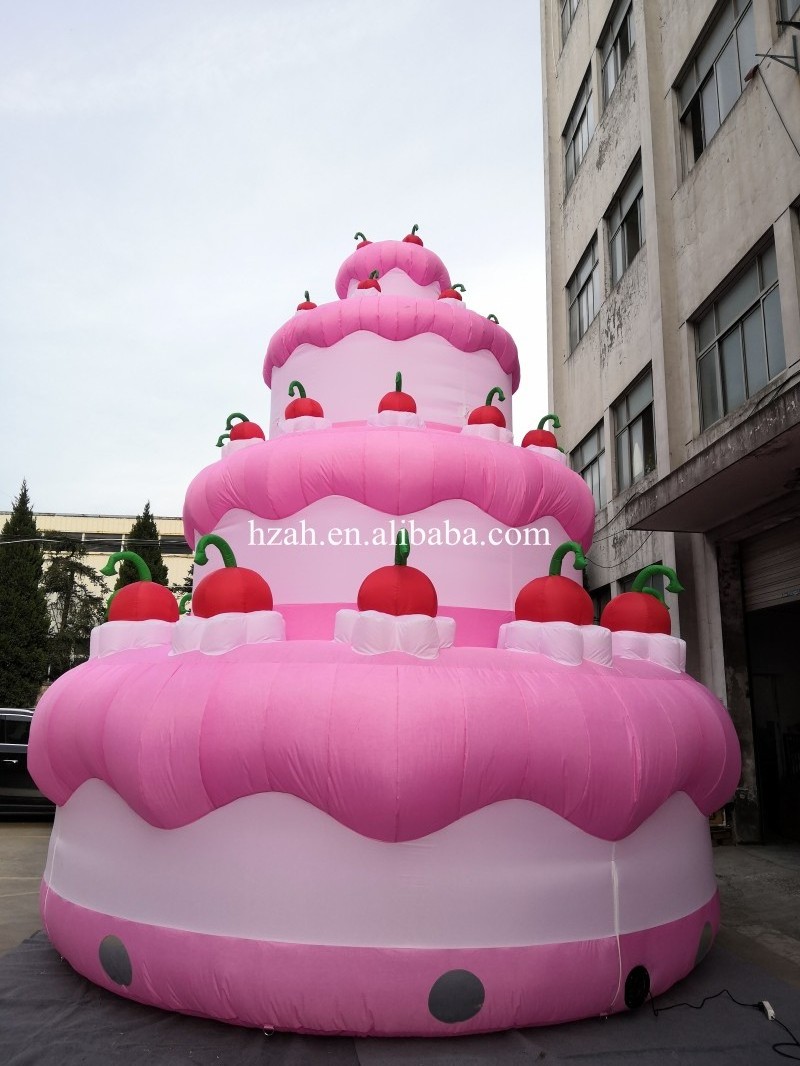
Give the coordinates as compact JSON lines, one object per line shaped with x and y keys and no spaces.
{"x":359,"y":792}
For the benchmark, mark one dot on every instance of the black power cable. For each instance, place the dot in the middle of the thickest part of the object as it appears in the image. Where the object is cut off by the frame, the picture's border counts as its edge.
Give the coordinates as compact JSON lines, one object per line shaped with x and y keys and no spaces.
{"x":794,"y":1046}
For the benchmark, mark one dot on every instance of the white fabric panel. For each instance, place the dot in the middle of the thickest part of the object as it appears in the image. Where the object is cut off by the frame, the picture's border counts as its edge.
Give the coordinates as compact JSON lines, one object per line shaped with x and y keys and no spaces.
{"x":273,"y":867}
{"x":373,"y":633}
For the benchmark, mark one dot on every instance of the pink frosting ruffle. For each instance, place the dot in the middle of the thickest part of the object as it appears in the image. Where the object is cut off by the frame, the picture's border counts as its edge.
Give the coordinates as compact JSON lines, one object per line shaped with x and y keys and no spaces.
{"x":395,"y":472}
{"x":391,"y":746}
{"x":422,"y":265}
{"x":396,"y":318}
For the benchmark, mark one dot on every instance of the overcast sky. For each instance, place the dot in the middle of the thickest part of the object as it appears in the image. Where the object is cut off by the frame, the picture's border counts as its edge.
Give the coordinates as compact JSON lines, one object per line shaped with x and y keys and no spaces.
{"x":173,"y":175}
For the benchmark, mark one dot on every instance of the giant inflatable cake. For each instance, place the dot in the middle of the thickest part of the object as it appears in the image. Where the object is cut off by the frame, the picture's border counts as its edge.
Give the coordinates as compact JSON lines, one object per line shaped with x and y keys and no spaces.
{"x":356,"y":791}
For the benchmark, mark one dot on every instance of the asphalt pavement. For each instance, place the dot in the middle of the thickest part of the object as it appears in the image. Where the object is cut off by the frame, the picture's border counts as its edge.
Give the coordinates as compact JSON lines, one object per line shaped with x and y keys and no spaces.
{"x":23,"y":852}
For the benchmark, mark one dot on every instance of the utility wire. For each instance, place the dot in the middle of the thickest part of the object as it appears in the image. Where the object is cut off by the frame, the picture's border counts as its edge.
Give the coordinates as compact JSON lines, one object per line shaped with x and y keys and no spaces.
{"x":777,"y":110}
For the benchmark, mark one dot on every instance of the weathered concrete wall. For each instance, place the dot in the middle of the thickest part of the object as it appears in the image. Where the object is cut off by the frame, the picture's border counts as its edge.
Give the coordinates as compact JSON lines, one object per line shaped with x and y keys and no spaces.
{"x":701,"y":223}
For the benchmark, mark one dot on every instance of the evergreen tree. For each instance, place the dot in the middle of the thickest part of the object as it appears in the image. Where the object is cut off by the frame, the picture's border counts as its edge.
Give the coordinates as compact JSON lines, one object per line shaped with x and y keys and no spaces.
{"x":181,"y":588}
{"x":24,"y":621}
{"x":75,"y":599}
{"x":143,"y":539}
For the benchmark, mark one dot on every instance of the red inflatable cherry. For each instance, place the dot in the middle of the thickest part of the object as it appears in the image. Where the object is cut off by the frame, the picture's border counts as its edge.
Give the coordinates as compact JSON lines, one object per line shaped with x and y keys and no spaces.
{"x":453,"y":293}
{"x":642,"y":610}
{"x":363,"y":242}
{"x":303,"y":405}
{"x":542,"y":437}
{"x":371,"y":282}
{"x":243,"y":430}
{"x":233,"y":590}
{"x":398,"y":589}
{"x":488,"y":415}
{"x":141,"y":599}
{"x":556,"y":598}
{"x":307,"y":304}
{"x":398,"y":400}
{"x":412,"y":238}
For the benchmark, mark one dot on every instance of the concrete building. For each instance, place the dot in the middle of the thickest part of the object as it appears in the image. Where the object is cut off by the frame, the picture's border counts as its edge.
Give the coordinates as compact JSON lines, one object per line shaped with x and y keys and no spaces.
{"x":672,"y":156}
{"x":104,"y":534}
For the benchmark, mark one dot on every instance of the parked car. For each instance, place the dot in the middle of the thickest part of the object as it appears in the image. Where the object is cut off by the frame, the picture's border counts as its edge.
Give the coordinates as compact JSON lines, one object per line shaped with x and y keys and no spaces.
{"x":18,"y":794}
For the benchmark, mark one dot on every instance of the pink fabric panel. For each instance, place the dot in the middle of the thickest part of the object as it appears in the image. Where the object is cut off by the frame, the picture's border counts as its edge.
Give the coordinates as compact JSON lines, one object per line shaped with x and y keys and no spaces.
{"x":394,"y":471}
{"x":397,"y":318}
{"x":421,"y":264}
{"x":444,"y":383}
{"x":668,"y":952}
{"x":368,"y":991}
{"x":391,"y":746}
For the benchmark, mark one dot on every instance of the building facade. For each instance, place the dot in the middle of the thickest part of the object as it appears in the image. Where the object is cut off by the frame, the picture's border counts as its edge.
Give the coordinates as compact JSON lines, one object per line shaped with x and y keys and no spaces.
{"x":672,"y":186}
{"x":102,"y":535}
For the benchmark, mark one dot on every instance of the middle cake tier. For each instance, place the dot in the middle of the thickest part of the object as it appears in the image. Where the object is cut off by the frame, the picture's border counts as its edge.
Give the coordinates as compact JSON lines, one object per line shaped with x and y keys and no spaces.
{"x":315,"y":513}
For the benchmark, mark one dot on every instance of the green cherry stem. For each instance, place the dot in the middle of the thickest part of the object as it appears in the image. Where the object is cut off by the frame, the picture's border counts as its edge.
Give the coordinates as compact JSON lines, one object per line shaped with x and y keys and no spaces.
{"x":649,"y":591}
{"x":458,"y":288}
{"x":495,"y":392}
{"x":236,"y":414}
{"x":550,"y":418}
{"x":142,"y":569}
{"x":401,"y":548}
{"x":560,"y":554}
{"x":295,"y":386}
{"x":185,"y":599}
{"x":200,"y":556}
{"x":359,"y":236}
{"x":650,"y":571}
{"x":414,"y":229}
{"x":398,"y":382}
{"x":222,"y":438}
{"x":374,"y":274}
{"x":494,"y":318}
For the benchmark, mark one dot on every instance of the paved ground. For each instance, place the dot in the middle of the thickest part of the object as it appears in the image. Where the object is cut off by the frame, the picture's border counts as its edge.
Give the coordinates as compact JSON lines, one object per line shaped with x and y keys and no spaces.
{"x":760,"y":892}
{"x":760,"y":889}
{"x":23,"y":851}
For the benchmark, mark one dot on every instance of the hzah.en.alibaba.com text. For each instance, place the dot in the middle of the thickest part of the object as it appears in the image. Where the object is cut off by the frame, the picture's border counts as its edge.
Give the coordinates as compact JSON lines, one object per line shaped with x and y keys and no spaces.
{"x":438,"y":536}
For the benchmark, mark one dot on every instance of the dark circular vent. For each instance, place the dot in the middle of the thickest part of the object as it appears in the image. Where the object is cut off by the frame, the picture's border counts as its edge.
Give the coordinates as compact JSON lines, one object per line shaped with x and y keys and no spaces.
{"x":115,"y":960}
{"x":456,"y":996}
{"x":637,"y":987}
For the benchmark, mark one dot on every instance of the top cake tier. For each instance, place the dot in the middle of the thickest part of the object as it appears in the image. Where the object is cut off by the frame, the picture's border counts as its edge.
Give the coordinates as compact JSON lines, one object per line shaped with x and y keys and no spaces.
{"x":346,"y":353}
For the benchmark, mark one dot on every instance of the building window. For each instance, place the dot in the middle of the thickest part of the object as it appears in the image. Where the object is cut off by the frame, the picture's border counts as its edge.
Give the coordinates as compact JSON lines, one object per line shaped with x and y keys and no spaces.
{"x":789,"y":10}
{"x":740,"y":340}
{"x":568,"y":9}
{"x":583,"y":297}
{"x":626,"y":224}
{"x":615,"y":47}
{"x":589,"y":460}
{"x":174,"y":544}
{"x":579,"y":129}
{"x":635,"y":432}
{"x":715,"y":80}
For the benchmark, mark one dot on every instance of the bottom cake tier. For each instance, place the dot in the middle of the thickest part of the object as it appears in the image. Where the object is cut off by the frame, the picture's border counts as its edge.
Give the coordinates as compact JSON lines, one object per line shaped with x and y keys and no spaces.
{"x":270,"y":913}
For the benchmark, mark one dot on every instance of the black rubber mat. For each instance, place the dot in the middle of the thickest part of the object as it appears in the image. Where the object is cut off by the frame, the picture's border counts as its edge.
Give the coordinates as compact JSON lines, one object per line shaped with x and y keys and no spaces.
{"x":49,"y":1016}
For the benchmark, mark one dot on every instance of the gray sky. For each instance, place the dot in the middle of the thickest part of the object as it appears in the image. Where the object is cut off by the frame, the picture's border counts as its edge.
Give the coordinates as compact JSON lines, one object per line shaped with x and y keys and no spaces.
{"x":173,"y":175}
